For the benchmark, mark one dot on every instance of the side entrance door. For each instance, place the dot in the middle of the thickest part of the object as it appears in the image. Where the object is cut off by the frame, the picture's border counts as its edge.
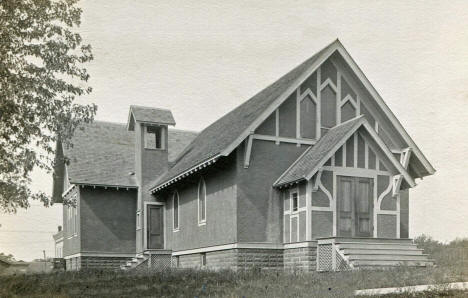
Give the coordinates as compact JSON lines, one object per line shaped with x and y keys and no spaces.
{"x":155,"y":229}
{"x":355,"y":206}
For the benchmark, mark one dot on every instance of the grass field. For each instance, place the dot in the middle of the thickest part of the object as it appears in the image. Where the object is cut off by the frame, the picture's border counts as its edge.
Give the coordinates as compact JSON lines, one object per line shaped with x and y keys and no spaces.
{"x":253,"y":283}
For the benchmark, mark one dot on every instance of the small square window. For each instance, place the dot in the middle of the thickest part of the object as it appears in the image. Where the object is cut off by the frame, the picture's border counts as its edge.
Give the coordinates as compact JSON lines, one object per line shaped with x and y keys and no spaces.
{"x":294,"y":202}
{"x":203,"y":259}
{"x":154,"y":137}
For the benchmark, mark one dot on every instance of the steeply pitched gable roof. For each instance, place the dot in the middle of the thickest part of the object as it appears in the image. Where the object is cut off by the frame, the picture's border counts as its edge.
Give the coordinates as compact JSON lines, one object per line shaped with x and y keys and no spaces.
{"x":149,"y":115}
{"x":104,"y":154}
{"x":314,"y":157}
{"x":224,"y":135}
{"x":214,"y":139}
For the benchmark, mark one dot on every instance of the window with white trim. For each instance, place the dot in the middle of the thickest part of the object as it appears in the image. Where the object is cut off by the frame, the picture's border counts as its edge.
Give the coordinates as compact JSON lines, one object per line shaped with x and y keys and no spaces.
{"x":175,"y":211}
{"x":72,"y":217}
{"x":75,"y":219}
{"x":201,"y":202}
{"x":69,"y":221}
{"x":295,"y":203}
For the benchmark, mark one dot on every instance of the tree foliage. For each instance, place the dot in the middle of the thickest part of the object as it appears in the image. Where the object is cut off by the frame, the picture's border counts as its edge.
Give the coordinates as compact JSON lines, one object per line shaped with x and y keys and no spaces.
{"x":41,"y":75}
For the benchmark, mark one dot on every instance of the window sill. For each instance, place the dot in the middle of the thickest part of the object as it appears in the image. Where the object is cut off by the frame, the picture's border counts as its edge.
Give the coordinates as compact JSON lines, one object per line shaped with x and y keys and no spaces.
{"x":155,"y":149}
{"x":175,"y":230}
{"x":202,"y":223}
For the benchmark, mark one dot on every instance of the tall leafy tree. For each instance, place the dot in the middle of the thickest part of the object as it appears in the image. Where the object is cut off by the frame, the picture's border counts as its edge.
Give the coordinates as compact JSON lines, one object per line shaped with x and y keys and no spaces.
{"x":41,"y":74}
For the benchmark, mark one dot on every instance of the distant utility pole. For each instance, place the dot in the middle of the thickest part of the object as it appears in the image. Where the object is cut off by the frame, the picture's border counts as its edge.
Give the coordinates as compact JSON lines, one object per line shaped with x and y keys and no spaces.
{"x":45,"y":261}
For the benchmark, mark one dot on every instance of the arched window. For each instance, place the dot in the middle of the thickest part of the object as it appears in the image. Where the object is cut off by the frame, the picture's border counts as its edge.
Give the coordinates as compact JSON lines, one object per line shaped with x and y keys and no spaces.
{"x":175,"y":210}
{"x":201,"y":202}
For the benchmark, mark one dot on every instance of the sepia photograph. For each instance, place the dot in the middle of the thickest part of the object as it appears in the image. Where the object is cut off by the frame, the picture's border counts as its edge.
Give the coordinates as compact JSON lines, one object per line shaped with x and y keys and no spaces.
{"x":233,"y":148}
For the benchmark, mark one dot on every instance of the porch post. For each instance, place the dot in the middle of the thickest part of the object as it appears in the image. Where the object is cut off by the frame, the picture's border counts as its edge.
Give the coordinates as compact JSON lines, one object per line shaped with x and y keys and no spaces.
{"x":333,"y":255}
{"x":308,"y":210}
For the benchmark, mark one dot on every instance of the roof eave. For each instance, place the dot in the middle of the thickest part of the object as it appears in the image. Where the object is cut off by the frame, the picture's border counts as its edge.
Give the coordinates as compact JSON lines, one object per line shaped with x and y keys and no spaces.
{"x":393,"y":119}
{"x":184,"y":174}
{"x":118,"y":186}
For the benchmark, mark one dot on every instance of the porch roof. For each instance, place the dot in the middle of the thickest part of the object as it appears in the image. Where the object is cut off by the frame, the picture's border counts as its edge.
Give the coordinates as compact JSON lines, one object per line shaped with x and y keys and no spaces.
{"x":314,"y":157}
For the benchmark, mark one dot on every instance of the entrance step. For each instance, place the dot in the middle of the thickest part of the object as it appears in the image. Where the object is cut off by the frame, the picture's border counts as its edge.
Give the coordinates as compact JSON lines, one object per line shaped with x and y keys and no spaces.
{"x":133,"y":263}
{"x":372,"y":245}
{"x":374,"y":240}
{"x":392,"y":263}
{"x":374,"y":253}
{"x":379,"y":252}
{"x":387,"y":257}
{"x":382,"y":251}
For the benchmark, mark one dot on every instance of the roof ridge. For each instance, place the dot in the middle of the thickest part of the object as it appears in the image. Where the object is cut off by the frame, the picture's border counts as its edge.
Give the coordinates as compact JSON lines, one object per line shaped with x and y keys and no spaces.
{"x":108,"y":122}
{"x":148,"y":107}
{"x":184,"y":130}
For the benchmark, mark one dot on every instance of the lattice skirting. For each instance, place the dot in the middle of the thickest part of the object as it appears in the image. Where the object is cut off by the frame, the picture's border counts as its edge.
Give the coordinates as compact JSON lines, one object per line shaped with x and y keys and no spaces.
{"x":325,"y":257}
{"x":160,"y":262}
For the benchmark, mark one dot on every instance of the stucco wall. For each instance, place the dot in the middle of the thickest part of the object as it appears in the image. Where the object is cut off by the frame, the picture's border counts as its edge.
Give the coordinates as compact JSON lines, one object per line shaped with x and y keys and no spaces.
{"x":108,"y":220}
{"x":404,"y":214}
{"x":260,"y":210}
{"x":287,"y":117}
{"x":220,"y":227}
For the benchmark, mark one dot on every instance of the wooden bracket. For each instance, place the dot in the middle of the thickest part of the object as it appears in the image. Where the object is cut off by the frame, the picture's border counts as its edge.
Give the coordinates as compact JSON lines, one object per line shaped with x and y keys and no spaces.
{"x":316,"y":182}
{"x":405,"y":157}
{"x":248,"y":151}
{"x":396,"y":184}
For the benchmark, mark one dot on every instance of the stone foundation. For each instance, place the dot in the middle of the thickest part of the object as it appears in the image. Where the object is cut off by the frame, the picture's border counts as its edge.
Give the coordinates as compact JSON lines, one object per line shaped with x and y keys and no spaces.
{"x":235,"y":259}
{"x":289,"y":259}
{"x":91,"y":262}
{"x":302,"y":258}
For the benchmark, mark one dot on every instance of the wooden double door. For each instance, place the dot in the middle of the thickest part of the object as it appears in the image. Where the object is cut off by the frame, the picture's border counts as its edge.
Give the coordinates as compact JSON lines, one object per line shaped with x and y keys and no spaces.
{"x":355,"y":206}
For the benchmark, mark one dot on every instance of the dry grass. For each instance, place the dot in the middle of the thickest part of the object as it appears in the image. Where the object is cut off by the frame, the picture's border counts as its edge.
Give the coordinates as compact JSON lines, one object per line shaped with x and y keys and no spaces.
{"x":190,"y":283}
{"x":253,"y":283}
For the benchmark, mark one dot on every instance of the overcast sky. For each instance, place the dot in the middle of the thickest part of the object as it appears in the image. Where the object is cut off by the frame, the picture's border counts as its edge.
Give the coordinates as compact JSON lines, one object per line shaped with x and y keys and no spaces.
{"x":201,"y":59}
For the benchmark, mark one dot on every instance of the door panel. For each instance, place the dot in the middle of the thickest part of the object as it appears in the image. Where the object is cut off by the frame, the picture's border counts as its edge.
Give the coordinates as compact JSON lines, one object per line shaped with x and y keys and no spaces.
{"x":364,"y":208}
{"x":155,"y":229}
{"x":345,"y":206}
{"x":355,"y":206}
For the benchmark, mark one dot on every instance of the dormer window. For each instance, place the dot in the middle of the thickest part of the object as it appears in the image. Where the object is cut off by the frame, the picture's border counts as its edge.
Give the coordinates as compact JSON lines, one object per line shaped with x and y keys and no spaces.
{"x":154,"y":137}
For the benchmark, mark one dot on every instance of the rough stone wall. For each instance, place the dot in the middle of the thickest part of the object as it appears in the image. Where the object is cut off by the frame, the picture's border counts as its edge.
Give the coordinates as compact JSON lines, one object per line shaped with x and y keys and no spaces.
{"x":235,"y":259}
{"x":270,"y":259}
{"x":303,"y":259}
{"x":224,"y":259}
{"x":72,"y":264}
{"x":190,"y":261}
{"x":102,"y":263}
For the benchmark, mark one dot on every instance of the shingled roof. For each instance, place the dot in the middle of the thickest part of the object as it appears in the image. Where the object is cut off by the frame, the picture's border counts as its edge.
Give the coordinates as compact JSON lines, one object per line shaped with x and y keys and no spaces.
{"x":313,"y":156}
{"x":149,"y":115}
{"x":104,"y":153}
{"x":214,"y":139}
